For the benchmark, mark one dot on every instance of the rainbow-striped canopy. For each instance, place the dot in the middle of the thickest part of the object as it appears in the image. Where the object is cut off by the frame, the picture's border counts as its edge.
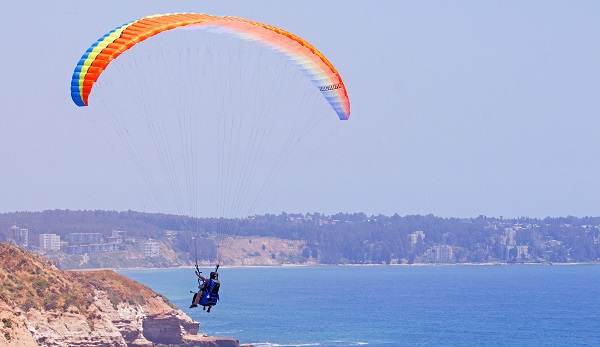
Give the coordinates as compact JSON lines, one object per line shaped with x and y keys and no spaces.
{"x":308,"y":59}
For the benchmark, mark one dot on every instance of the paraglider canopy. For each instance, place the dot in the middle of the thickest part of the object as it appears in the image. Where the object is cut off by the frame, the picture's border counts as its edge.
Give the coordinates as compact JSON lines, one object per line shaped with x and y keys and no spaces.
{"x":312,"y":63}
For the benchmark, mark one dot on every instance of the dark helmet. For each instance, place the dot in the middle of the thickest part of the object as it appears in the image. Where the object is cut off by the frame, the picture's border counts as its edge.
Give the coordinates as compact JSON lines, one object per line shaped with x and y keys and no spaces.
{"x":214,"y":275}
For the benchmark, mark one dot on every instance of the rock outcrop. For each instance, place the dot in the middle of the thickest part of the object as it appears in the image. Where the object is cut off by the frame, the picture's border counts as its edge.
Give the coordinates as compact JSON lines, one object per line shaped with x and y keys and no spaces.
{"x":43,"y":306}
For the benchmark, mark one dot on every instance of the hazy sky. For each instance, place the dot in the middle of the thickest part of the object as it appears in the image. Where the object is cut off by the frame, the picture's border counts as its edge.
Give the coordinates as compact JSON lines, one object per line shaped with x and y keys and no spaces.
{"x":459,"y":108}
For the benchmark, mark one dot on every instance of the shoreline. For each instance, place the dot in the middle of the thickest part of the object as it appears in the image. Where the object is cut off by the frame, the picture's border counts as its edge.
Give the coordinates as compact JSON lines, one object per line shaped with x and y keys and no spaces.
{"x":191,"y":267}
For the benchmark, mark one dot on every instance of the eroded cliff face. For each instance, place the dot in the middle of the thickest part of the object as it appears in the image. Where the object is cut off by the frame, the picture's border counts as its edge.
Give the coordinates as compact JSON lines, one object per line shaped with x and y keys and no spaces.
{"x":43,"y":306}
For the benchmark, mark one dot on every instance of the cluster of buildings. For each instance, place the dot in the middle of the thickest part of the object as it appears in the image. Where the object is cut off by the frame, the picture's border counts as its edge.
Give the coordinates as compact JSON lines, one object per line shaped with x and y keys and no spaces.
{"x":445,"y":253}
{"x":83,"y":243}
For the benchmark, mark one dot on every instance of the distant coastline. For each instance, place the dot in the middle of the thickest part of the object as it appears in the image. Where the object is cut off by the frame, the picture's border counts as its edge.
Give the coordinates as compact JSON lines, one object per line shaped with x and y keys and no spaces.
{"x":130,"y":240}
{"x":189,"y":267}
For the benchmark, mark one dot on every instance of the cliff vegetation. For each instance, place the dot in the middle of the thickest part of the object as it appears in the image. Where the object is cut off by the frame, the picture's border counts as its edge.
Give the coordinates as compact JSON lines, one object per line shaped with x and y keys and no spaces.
{"x":43,"y":306}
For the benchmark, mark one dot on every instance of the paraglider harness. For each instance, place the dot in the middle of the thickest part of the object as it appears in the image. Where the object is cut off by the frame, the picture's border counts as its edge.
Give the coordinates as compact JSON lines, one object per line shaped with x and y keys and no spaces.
{"x":209,"y":289}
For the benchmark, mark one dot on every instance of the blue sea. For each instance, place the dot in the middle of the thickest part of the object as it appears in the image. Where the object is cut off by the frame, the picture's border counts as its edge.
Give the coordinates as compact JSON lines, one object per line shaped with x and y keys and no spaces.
{"x":383,"y":306}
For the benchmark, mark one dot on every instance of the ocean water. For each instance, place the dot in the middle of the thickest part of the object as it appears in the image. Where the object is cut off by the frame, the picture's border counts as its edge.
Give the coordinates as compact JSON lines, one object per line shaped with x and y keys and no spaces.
{"x":383,"y":306}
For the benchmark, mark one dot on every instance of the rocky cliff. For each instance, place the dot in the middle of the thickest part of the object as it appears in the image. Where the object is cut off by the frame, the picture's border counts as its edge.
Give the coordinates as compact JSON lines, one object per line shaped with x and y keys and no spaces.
{"x":43,"y":306}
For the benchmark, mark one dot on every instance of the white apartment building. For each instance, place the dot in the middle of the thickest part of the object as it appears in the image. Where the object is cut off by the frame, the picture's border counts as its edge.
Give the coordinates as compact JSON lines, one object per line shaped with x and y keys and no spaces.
{"x":50,"y":242}
{"x":20,"y":235}
{"x":150,"y":249}
{"x":414,"y":237}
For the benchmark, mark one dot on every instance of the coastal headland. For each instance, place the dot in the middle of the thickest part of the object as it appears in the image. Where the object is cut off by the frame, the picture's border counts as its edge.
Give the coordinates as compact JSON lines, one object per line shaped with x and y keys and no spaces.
{"x":41,"y":305}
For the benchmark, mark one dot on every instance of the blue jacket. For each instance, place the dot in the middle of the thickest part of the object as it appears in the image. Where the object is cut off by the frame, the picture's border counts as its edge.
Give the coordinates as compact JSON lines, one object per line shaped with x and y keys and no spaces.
{"x":212,"y":289}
